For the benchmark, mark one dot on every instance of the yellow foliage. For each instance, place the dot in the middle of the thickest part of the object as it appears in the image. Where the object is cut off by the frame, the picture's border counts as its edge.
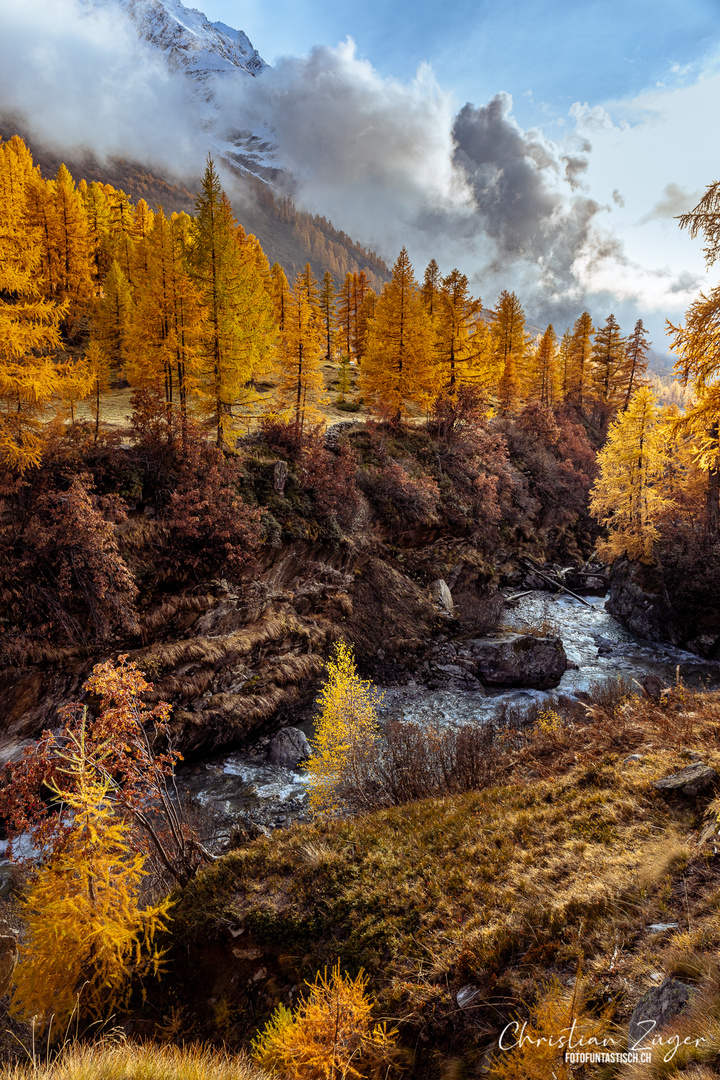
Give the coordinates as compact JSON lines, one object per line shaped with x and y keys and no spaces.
{"x":300,"y":375}
{"x":535,"y":1049}
{"x":330,"y":1035}
{"x":346,"y":730}
{"x":631,"y":492}
{"x":85,"y":935}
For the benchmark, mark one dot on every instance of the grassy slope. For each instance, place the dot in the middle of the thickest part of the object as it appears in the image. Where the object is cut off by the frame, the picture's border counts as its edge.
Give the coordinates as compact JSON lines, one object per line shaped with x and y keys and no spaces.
{"x":503,"y":888}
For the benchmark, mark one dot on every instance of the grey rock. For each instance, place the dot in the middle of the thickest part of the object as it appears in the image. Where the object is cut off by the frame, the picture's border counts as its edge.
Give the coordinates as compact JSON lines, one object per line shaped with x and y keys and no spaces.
{"x":289,"y":747}
{"x":709,"y":838}
{"x":519,"y":660}
{"x":441,"y":596}
{"x":8,"y":956}
{"x":661,"y":927}
{"x":8,"y":879}
{"x":280,"y":472}
{"x":694,"y":780}
{"x":466,"y":995}
{"x":655,"y":1009}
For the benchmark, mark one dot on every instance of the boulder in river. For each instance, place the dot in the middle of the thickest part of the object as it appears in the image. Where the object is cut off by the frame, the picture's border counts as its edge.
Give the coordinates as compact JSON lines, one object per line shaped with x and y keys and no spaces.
{"x":289,"y":747}
{"x":519,"y":660}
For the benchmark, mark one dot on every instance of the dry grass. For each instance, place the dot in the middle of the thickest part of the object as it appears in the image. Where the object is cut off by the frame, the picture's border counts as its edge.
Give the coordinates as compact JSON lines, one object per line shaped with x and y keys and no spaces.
{"x":120,"y":1060}
{"x":569,"y":863}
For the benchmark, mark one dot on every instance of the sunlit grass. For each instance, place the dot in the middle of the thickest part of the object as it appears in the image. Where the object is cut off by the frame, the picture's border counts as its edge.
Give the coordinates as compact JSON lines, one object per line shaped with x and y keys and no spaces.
{"x":111,"y":1060}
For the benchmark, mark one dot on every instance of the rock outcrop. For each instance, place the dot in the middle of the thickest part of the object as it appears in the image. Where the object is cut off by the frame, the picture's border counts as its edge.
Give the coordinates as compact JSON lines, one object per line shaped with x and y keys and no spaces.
{"x":519,"y":660}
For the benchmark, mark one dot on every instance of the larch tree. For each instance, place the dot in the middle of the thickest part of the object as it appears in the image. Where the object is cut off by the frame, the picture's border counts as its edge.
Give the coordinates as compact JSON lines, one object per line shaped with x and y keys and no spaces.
{"x":240,"y":331}
{"x":510,"y":345}
{"x":97,"y":211}
{"x":609,"y":364}
{"x":72,"y":241}
{"x":637,"y":348}
{"x":563,"y":358}
{"x":630,"y":495}
{"x":112,"y":316}
{"x":99,"y":370}
{"x":344,"y":304}
{"x":359,"y":292}
{"x":365,"y":316}
{"x":346,"y":731}
{"x":29,"y":324}
{"x":431,"y":286}
{"x":543,"y":380}
{"x":581,"y":348}
{"x":697,"y":344}
{"x":169,"y":321}
{"x":301,"y":384}
{"x":280,"y":290}
{"x":328,"y":311}
{"x":399,"y":371}
{"x":455,"y":320}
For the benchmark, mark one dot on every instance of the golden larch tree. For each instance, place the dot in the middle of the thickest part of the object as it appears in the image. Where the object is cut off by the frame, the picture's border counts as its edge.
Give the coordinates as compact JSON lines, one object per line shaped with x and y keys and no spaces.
{"x":346,"y":731}
{"x":301,"y":385}
{"x":510,"y":345}
{"x":543,"y":378}
{"x":399,"y":371}
{"x":630,"y":495}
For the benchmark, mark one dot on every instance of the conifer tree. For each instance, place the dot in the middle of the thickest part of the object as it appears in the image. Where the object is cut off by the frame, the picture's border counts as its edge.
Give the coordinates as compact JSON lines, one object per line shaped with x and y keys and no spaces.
{"x":510,"y":346}
{"x":399,"y":370}
{"x":346,"y":731}
{"x":359,"y":292}
{"x":431,"y":287}
{"x":121,"y":240}
{"x":543,"y":371}
{"x":280,"y":289}
{"x":240,"y":332}
{"x":564,"y":363}
{"x":97,"y":211}
{"x":328,"y":310}
{"x":113,"y":315}
{"x":29,"y":325}
{"x":100,"y":372}
{"x":609,"y":364}
{"x":637,"y":347}
{"x":697,"y":344}
{"x":86,"y":934}
{"x":455,"y":320}
{"x":581,"y":344}
{"x":169,"y":321}
{"x":344,"y":301}
{"x":72,"y":241}
{"x":365,"y":316}
{"x":301,"y":382}
{"x":630,"y":494}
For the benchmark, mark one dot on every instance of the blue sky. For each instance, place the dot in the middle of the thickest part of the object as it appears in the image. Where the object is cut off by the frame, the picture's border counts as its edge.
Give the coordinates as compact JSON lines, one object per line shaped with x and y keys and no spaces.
{"x":547,"y":55}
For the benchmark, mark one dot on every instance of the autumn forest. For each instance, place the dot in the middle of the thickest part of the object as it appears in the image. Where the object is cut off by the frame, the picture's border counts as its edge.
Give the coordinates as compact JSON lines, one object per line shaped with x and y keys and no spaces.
{"x":225,"y":492}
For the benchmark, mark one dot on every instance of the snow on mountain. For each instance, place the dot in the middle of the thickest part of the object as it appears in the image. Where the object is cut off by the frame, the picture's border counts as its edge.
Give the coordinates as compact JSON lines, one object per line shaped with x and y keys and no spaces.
{"x":204,"y":51}
{"x":190,"y":41}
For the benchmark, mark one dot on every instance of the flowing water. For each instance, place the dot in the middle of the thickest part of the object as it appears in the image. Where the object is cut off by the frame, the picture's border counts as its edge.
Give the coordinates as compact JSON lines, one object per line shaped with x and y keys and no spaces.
{"x":244,"y":786}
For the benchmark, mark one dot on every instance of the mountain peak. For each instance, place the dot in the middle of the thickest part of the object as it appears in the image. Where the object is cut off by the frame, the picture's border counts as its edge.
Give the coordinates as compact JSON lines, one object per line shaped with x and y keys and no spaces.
{"x":190,"y":41}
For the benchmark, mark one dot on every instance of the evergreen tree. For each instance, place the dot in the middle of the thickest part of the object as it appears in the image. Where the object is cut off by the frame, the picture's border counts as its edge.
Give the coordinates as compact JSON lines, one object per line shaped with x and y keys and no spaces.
{"x":609,"y":364}
{"x":543,"y":371}
{"x":240,"y":332}
{"x":29,"y":325}
{"x":431,"y":287}
{"x":301,"y":381}
{"x":455,"y":319}
{"x":344,"y":301}
{"x":327,"y":308}
{"x":630,"y":496}
{"x":637,"y":347}
{"x":280,"y":289}
{"x":510,"y":346}
{"x":113,"y":315}
{"x":564,"y":363}
{"x":399,"y":369}
{"x":581,"y":346}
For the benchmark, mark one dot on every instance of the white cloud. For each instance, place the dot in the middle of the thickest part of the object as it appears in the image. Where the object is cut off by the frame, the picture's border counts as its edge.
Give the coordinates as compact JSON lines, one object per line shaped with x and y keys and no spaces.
{"x":82,"y":78}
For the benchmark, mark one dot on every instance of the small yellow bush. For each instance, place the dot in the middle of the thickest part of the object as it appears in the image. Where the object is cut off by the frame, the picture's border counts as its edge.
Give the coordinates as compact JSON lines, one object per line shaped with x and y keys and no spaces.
{"x":329,"y":1036}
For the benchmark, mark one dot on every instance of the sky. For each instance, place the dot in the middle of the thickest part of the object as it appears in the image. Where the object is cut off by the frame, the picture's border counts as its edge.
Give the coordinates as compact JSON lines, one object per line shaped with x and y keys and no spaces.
{"x":543,"y":146}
